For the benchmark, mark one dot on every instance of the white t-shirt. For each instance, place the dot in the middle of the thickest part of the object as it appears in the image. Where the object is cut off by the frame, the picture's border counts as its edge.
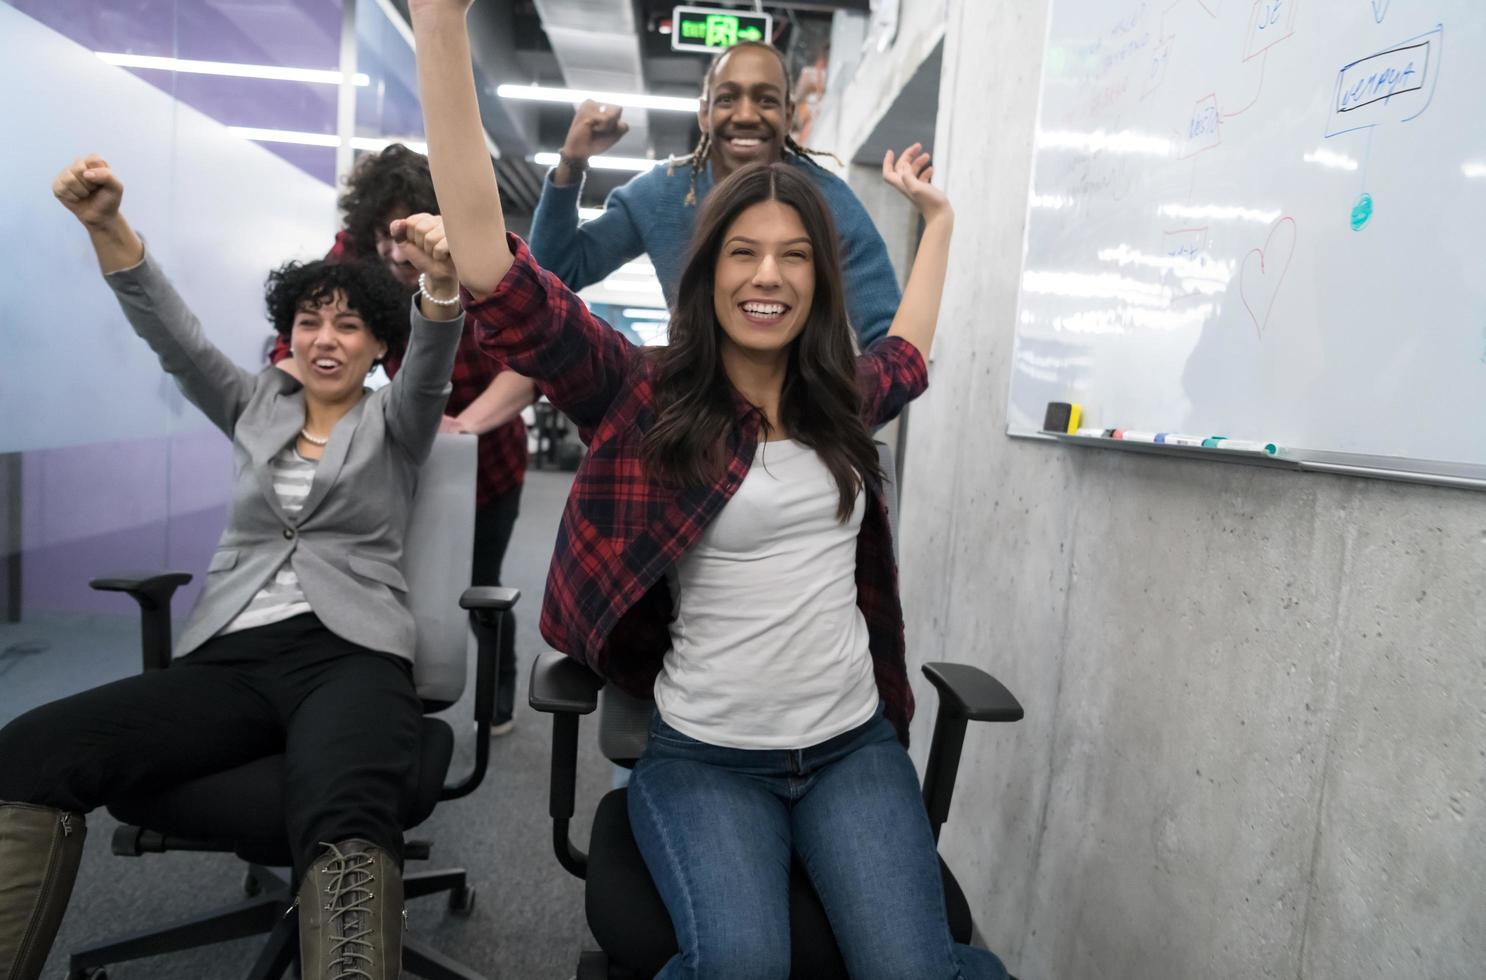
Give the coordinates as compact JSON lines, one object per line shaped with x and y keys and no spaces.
{"x":768,"y":647}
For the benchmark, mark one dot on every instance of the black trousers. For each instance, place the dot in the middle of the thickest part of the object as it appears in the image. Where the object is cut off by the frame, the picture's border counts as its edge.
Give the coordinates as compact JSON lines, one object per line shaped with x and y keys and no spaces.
{"x":493,"y":526}
{"x":345,"y":718}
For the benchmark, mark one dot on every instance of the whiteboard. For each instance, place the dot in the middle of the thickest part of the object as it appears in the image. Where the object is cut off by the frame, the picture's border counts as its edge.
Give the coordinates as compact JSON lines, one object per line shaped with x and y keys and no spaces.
{"x":1263,"y":219}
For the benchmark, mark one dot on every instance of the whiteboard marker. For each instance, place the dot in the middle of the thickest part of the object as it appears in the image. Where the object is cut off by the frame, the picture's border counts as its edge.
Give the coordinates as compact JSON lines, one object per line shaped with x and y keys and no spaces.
{"x":1130,"y":436}
{"x":1173,"y":439}
{"x":1090,"y":433}
{"x":1247,"y":446}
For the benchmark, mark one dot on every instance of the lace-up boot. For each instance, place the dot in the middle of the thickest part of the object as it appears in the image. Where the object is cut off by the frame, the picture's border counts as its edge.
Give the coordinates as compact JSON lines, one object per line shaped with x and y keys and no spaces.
{"x":351,"y":915}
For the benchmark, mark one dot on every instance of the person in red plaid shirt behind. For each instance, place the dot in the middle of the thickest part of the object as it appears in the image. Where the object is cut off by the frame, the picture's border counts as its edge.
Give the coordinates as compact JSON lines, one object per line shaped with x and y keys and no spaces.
{"x":486,"y":400}
{"x":726,"y":548}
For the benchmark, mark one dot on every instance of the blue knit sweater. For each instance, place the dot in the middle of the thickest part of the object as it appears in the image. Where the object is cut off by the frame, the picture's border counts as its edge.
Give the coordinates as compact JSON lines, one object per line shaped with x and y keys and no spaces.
{"x":648,"y":215}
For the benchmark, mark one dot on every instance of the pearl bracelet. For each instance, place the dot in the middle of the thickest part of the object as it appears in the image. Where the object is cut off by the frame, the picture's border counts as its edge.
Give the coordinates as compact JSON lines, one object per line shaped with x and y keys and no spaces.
{"x":423,"y":290}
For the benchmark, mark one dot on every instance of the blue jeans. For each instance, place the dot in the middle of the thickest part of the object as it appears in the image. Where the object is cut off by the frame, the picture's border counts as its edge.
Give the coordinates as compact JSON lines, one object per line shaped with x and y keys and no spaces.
{"x":718,"y":829}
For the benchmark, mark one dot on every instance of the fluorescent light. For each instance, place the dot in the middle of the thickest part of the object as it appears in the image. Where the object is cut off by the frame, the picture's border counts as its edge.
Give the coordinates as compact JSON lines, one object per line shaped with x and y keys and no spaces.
{"x":573,"y":96}
{"x":320,"y":139}
{"x":285,"y":136}
{"x":637,"y":313}
{"x":636,"y":164}
{"x":319,"y":76}
{"x":1473,"y":169}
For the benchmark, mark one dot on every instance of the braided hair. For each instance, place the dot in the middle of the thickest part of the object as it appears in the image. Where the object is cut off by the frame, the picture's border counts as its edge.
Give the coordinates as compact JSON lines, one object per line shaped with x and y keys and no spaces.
{"x":699,"y":154}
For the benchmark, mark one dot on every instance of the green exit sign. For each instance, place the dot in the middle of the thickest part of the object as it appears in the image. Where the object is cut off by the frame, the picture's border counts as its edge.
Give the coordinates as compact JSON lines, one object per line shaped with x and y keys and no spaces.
{"x":710,"y":29}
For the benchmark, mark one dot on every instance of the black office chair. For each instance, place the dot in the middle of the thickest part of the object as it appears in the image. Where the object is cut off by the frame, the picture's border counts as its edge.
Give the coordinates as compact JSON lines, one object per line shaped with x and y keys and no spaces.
{"x":624,"y":909}
{"x":241,"y":810}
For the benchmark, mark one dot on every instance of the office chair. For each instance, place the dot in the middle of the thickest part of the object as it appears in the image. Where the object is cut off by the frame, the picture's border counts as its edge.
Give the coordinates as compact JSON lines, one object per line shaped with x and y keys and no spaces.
{"x":241,"y":810}
{"x":625,"y":912}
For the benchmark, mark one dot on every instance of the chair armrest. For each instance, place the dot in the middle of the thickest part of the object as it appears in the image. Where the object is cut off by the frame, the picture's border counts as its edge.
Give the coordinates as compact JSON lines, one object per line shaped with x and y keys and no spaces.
{"x":488,"y":602}
{"x":567,"y":690}
{"x":153,"y":591}
{"x":143,"y":586}
{"x":561,"y":684}
{"x":970,"y":693}
{"x":966,"y":694}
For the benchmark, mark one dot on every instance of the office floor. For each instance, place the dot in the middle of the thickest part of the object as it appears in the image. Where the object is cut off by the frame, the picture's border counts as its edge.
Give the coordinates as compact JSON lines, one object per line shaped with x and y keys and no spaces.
{"x":528,"y":920}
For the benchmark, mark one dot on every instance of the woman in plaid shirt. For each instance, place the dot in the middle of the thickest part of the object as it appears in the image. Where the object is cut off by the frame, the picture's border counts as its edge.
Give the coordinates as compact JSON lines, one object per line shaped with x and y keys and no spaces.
{"x":726,"y":548}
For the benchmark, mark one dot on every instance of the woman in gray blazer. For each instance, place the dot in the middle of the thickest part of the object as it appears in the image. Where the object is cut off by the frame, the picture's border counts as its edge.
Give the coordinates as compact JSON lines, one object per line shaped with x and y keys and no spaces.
{"x":301,"y":642}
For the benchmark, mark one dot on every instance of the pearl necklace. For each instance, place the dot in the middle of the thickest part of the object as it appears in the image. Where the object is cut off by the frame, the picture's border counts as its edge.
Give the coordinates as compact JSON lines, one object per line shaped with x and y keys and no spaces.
{"x":313,"y":440}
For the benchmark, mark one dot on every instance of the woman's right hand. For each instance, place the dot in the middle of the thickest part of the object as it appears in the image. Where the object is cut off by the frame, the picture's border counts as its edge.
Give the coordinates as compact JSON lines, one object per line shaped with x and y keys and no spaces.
{"x":89,"y":189}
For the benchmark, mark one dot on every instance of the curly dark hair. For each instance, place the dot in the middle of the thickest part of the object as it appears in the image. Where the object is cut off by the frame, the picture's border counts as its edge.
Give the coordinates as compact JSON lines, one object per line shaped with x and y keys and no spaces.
{"x":395,"y":179}
{"x":369,"y":288}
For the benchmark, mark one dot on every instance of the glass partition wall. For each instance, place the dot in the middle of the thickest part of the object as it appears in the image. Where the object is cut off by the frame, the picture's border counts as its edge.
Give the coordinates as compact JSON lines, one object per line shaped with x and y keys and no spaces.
{"x":221,"y":119}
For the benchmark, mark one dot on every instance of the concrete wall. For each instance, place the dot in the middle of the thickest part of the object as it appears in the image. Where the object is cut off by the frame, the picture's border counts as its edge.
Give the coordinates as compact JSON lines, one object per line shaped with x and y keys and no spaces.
{"x":1255,"y":742}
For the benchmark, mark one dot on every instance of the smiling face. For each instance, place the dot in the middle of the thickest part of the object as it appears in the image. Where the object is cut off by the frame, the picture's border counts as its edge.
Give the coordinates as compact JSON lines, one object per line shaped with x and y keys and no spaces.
{"x":333,"y":348}
{"x":747,"y":111}
{"x":764,"y":280}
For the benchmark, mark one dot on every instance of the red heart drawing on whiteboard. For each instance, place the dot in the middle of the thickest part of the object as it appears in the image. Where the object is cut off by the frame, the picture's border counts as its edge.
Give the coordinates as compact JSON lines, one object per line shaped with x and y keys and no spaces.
{"x":1264,"y":270}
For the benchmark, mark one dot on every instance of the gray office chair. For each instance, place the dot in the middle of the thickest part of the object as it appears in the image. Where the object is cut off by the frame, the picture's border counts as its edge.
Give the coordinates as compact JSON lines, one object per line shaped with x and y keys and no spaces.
{"x":625,"y":912}
{"x":241,"y":810}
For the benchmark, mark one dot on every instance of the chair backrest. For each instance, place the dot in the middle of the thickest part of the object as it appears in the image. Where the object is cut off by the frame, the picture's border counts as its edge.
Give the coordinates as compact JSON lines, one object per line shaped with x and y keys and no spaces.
{"x":437,"y":553}
{"x":624,"y":720}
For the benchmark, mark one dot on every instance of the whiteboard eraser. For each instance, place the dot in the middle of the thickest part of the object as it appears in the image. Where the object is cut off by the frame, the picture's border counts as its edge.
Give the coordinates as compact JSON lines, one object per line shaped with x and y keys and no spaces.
{"x":1062,"y":417}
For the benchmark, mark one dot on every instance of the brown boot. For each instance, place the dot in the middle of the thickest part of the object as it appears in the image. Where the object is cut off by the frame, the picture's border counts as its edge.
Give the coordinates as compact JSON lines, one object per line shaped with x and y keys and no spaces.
{"x":350,"y":915}
{"x":40,"y":849}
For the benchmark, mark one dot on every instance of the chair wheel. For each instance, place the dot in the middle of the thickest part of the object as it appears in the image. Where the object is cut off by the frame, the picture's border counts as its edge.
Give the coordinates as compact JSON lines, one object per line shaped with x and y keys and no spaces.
{"x":252,"y":887}
{"x":462,"y":901}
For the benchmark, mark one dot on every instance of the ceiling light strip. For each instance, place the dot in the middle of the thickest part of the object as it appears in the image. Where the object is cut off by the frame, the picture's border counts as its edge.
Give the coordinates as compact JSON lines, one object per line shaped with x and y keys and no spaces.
{"x":573,"y":96}
{"x":318,"y":76}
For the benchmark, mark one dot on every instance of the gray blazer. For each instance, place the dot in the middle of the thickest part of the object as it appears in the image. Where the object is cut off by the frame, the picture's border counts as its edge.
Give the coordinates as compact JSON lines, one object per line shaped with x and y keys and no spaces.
{"x":346,"y":544}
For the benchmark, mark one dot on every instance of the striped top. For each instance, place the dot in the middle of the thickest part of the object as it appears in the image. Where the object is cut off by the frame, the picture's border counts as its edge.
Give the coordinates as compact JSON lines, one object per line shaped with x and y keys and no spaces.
{"x":282,"y":597}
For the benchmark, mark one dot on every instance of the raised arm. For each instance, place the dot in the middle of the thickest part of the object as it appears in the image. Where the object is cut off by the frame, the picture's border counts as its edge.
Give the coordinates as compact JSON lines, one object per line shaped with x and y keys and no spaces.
{"x":213,"y":383}
{"x":525,"y":315}
{"x":417,"y":395}
{"x":582,"y":253}
{"x":918,"y":313}
{"x":463,"y":178}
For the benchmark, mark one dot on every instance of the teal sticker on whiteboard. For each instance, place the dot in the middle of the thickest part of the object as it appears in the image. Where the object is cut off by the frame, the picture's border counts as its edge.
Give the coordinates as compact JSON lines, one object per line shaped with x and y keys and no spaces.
{"x":1362,"y":212}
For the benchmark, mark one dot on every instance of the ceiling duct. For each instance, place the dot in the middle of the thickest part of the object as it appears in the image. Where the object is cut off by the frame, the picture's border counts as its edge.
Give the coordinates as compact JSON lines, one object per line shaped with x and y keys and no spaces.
{"x":491,"y":29}
{"x":597,"y":44}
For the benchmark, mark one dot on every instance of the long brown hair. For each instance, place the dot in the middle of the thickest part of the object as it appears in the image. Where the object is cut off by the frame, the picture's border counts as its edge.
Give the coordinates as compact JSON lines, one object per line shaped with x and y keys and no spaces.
{"x":820,"y":404}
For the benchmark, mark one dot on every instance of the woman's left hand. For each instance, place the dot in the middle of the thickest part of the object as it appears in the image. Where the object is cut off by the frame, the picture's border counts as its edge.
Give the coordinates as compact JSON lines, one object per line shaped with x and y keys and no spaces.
{"x":419,"y":239}
{"x":910,"y":174}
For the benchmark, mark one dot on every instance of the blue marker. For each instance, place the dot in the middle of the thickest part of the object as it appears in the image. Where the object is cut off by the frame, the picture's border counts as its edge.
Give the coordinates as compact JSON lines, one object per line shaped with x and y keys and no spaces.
{"x":1174,"y":439}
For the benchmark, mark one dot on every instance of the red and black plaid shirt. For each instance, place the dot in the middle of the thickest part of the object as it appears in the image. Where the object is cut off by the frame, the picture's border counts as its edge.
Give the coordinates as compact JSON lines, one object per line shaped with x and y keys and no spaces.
{"x":607,"y":602}
{"x":502,"y":450}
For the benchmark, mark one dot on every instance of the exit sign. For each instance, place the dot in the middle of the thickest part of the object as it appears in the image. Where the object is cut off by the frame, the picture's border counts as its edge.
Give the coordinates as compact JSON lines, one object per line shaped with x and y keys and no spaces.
{"x":709,"y":29}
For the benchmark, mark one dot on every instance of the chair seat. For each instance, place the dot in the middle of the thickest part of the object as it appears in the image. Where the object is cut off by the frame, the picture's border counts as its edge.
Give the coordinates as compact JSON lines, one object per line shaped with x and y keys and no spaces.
{"x":242,"y":809}
{"x":631,"y":924}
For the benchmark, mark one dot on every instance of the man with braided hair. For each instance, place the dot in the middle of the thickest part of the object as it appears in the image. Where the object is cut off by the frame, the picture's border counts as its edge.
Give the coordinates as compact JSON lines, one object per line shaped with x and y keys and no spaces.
{"x":744,"y":113}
